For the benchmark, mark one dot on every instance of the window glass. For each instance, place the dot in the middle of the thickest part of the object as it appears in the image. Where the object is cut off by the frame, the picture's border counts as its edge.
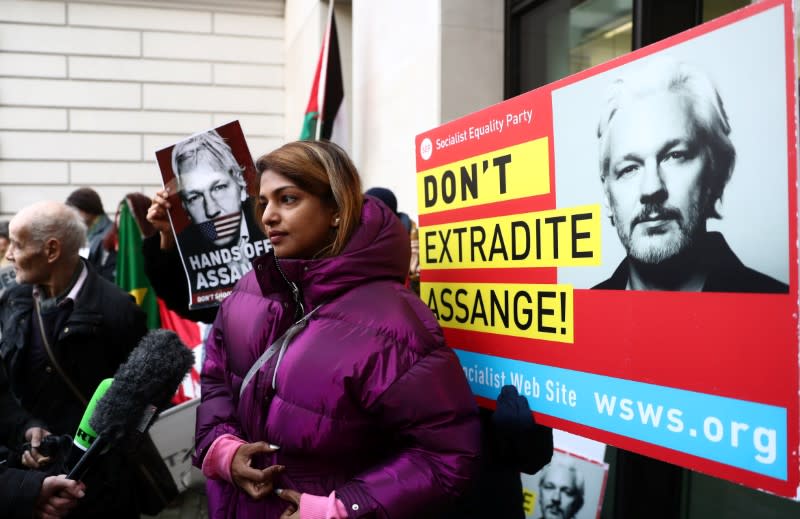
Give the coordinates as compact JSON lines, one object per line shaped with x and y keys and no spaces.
{"x":599,"y":31}
{"x":714,"y":8}
{"x":560,"y":37}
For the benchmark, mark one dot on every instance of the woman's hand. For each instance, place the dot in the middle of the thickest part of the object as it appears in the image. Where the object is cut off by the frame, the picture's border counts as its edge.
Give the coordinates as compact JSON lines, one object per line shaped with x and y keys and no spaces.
{"x":257,"y":483}
{"x":293,"y":512}
{"x":157,"y":215}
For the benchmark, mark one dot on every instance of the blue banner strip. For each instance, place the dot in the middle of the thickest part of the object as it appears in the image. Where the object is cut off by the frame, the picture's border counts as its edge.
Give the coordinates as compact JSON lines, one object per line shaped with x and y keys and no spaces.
{"x":742,"y":434}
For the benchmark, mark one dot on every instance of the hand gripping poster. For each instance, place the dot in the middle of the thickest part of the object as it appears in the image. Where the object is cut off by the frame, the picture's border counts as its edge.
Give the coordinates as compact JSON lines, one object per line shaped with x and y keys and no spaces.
{"x":621,"y":245}
{"x":211,"y":180}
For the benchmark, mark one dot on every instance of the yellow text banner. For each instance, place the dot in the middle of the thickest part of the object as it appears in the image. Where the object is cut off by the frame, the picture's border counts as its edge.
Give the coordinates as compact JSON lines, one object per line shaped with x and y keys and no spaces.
{"x":519,"y":310}
{"x":506,"y":174}
{"x":568,"y":237}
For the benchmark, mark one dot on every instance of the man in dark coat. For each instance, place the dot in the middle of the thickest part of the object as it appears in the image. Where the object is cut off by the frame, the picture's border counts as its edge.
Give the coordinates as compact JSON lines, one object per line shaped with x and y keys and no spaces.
{"x":511,"y":443}
{"x":64,"y":329}
{"x":665,"y":159}
{"x":98,"y":224}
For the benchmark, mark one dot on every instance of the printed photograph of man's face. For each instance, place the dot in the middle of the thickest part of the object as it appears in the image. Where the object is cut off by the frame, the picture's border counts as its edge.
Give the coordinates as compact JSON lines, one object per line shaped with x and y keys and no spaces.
{"x":656,"y":176}
{"x":211,"y":186}
{"x":569,"y":487}
{"x":690,"y":173}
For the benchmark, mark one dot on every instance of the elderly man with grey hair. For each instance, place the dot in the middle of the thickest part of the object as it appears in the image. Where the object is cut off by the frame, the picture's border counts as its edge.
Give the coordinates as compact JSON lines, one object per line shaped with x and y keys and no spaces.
{"x":63,"y":329}
{"x":665,"y":160}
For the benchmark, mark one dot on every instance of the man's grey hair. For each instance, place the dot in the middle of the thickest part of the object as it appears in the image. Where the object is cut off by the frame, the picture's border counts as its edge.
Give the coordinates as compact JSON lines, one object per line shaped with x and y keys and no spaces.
{"x":64,"y":224}
{"x":577,"y":477}
{"x":705,"y":108}
{"x":206,"y":148}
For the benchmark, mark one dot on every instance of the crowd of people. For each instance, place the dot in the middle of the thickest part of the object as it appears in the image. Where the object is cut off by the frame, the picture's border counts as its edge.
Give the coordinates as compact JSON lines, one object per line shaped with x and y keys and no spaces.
{"x":327,"y":387}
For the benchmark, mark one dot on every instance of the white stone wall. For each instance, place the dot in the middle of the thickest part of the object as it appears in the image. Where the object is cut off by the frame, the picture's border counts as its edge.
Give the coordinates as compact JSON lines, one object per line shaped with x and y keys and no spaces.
{"x":396,"y":79}
{"x":306,"y":21}
{"x":416,"y":65}
{"x":89,"y":91}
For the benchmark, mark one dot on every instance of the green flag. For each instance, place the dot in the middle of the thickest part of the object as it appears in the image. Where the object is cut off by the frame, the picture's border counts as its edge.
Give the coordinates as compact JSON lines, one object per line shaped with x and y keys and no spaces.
{"x":130,"y":266}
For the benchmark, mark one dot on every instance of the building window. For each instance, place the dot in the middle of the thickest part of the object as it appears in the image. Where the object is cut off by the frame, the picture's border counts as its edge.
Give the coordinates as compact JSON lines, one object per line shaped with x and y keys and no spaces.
{"x":549,"y":40}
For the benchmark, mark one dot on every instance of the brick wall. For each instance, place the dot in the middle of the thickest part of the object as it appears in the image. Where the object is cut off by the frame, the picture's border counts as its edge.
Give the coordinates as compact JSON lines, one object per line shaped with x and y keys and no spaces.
{"x":89,"y":91}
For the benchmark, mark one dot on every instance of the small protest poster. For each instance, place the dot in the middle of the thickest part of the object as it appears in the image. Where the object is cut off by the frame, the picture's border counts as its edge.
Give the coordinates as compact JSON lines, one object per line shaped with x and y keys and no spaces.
{"x":569,"y":487}
{"x":211,"y":179}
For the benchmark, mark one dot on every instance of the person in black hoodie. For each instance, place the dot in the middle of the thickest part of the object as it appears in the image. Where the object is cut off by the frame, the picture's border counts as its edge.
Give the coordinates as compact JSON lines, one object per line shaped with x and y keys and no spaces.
{"x":512,"y":442}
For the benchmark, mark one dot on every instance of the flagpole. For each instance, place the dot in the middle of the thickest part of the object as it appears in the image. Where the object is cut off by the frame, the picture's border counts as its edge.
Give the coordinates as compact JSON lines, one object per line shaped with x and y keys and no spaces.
{"x":326,"y":44}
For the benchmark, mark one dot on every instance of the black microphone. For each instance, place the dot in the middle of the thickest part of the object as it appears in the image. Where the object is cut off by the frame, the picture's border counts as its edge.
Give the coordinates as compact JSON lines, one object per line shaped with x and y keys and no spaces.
{"x":142,"y":386}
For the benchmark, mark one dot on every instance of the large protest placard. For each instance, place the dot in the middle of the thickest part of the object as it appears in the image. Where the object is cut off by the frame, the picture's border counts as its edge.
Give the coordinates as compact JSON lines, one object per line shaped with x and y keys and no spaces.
{"x":621,"y":245}
{"x":211,"y":180}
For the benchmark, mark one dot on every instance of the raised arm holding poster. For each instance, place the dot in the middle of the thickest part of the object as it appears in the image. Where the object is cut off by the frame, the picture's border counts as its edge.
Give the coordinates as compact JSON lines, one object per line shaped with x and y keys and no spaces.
{"x":211,"y":178}
{"x":621,"y":245}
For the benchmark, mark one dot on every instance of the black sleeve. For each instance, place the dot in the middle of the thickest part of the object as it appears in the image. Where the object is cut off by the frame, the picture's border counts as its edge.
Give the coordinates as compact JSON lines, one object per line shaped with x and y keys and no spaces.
{"x":14,"y":420}
{"x":18,"y":488}
{"x":18,"y":492}
{"x":518,"y":440}
{"x":165,"y":272}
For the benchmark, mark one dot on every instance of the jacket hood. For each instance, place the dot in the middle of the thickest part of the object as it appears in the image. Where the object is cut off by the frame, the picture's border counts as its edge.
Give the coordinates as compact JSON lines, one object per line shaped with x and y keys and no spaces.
{"x":379,"y":249}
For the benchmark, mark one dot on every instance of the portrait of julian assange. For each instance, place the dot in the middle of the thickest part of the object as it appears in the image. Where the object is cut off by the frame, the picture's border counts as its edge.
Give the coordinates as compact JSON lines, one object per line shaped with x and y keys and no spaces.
{"x":569,"y":487}
{"x":665,"y":160}
{"x":217,"y":230}
{"x":212,"y":188}
{"x":667,"y":154}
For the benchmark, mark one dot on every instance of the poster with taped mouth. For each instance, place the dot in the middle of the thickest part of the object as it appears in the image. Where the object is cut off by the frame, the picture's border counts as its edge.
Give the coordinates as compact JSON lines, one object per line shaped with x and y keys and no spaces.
{"x":621,"y":245}
{"x":211,"y":180}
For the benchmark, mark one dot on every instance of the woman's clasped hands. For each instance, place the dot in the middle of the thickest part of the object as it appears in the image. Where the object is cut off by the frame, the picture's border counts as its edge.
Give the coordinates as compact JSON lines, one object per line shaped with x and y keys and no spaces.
{"x":257,"y":483}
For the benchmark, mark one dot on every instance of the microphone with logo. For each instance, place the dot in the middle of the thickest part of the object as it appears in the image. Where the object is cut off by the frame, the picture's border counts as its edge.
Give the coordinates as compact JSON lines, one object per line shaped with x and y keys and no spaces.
{"x":123,"y":408}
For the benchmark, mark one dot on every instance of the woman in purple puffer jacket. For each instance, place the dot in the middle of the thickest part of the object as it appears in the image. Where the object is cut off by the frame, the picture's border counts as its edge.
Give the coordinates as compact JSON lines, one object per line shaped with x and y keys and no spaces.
{"x":357,"y":408}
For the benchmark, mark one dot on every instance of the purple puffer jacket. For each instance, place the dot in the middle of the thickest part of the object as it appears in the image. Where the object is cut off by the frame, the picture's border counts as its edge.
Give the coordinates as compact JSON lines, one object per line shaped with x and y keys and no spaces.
{"x":367,"y":401}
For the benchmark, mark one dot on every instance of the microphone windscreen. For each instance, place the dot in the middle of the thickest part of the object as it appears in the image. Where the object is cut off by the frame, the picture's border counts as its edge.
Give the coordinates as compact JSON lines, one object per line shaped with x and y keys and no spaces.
{"x":85,"y":434}
{"x":150,"y":376}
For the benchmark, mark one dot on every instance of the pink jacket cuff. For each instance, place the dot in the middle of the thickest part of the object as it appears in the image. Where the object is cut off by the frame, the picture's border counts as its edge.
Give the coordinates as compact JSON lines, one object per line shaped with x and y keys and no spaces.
{"x":217,"y":463}
{"x":321,"y":507}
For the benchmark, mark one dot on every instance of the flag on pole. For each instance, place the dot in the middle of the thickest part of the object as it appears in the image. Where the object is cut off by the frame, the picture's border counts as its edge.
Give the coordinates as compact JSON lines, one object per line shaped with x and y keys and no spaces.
{"x":325,"y":116}
{"x":132,"y":279}
{"x":130,"y":266}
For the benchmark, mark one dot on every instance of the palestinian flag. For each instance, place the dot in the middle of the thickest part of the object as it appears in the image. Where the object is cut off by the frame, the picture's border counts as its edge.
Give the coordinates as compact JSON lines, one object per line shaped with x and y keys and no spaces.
{"x":327,"y":94}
